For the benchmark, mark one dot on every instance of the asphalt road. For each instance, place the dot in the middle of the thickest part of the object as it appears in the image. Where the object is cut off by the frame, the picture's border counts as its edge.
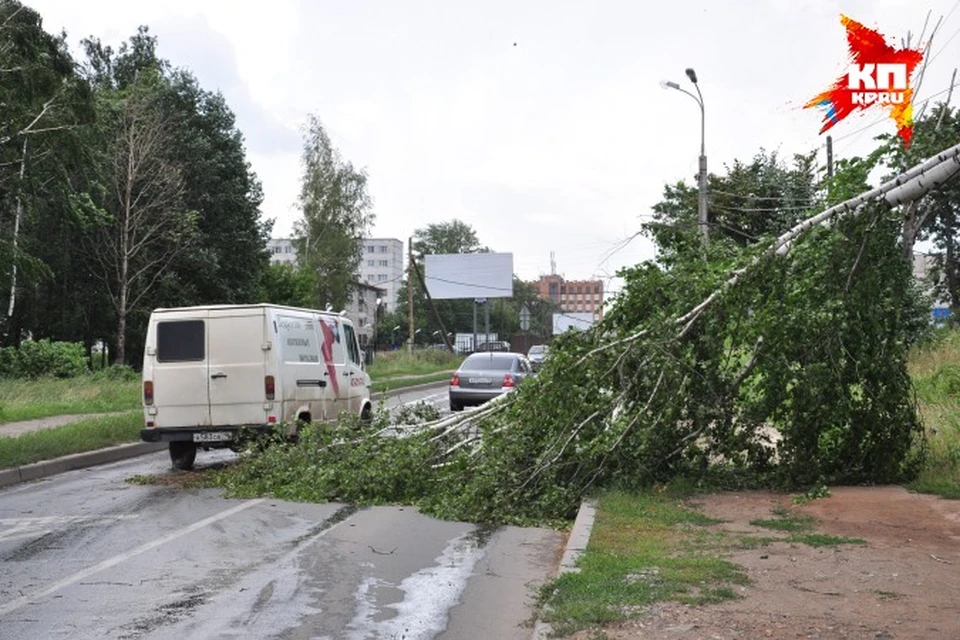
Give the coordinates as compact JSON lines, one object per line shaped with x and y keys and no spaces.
{"x":87,"y":554}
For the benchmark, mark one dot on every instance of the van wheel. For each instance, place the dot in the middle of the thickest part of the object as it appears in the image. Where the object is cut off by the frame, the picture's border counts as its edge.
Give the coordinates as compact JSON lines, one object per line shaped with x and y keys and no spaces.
{"x":455,"y":406}
{"x":366,"y":416}
{"x":182,"y":455}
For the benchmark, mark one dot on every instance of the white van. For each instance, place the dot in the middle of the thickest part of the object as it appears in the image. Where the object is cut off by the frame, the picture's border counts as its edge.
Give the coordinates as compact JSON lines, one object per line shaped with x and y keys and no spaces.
{"x":210,"y":372}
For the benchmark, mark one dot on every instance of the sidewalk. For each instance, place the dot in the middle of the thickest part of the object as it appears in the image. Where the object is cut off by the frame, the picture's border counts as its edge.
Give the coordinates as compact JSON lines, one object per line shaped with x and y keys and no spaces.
{"x":26,"y":426}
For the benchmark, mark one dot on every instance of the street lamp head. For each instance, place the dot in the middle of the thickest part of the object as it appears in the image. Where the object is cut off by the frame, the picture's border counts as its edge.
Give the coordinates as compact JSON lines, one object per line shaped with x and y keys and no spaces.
{"x":692,"y":75}
{"x":666,"y":84}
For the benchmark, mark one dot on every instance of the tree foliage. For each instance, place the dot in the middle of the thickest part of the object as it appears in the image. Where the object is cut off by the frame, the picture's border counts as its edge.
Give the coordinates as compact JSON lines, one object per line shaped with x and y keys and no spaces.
{"x":760,"y":198}
{"x":61,"y":129}
{"x":336,"y":210}
{"x":936,"y":217}
{"x":453,"y":236}
{"x":776,"y":362}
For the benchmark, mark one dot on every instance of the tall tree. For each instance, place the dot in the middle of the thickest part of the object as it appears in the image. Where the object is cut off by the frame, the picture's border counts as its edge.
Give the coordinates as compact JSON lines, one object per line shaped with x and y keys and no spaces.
{"x":142,"y":225}
{"x":218,"y":183}
{"x":754,"y":199}
{"x":44,"y":105}
{"x":454,"y":236}
{"x":337,"y":214}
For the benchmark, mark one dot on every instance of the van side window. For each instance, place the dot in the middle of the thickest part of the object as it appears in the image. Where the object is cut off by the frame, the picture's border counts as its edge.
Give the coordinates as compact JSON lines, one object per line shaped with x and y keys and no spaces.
{"x":180,"y":341}
{"x":352,"y":344}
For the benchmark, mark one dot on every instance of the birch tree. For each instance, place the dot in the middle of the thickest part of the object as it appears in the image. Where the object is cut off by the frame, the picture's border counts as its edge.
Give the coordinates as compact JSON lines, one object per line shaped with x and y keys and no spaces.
{"x":336,"y":212}
{"x":143,"y":225}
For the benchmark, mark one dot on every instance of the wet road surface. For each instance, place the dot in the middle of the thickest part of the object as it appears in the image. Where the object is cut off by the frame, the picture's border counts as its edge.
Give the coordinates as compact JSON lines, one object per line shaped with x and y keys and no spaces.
{"x":87,"y":554}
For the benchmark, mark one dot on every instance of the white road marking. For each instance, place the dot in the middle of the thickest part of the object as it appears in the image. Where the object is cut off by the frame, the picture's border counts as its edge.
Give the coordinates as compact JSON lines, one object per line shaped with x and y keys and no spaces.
{"x":17,"y":603}
{"x":23,"y":527}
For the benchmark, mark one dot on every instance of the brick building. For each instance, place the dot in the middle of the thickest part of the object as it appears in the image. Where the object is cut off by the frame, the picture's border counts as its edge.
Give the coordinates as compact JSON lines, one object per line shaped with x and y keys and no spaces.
{"x":572,"y":296}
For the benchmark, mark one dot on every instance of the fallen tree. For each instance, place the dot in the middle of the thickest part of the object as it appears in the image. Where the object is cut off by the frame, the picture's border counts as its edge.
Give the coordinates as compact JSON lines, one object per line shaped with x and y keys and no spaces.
{"x":789,"y":371}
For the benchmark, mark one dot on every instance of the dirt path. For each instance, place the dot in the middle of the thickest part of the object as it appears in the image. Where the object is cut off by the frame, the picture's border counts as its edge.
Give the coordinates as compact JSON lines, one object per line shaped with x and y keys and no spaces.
{"x":904,"y":583}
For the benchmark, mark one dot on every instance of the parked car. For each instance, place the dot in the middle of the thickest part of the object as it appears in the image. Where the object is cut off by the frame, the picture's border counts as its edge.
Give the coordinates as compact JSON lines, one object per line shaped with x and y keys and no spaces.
{"x":537,"y":354}
{"x":484,"y":376}
{"x":494,"y":345}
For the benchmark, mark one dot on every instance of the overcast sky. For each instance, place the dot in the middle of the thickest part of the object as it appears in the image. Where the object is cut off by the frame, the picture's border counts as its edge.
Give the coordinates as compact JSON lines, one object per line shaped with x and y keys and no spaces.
{"x":541,"y":124}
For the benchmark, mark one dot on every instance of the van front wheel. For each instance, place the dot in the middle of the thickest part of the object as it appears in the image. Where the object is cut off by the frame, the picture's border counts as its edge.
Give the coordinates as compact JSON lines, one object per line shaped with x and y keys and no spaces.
{"x":182,"y":455}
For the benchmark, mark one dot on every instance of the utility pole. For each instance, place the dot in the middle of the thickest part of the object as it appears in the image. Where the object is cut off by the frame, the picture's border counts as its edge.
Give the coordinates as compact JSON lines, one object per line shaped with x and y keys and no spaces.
{"x":433,"y":307}
{"x":702,"y":192}
{"x":702,"y":221}
{"x":410,"y":281}
{"x":829,"y":156}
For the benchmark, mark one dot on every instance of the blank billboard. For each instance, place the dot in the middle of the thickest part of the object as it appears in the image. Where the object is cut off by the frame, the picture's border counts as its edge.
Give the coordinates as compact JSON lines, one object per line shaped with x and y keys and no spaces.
{"x":452,"y":276}
{"x":564,"y":321}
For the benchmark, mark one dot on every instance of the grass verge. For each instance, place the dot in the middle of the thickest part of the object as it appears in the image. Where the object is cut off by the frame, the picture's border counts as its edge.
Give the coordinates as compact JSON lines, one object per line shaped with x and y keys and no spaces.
{"x":644,"y":548}
{"x":935,"y":370}
{"x":77,"y":437}
{"x":45,"y":397}
{"x":391,"y":384}
{"x":390,"y":364}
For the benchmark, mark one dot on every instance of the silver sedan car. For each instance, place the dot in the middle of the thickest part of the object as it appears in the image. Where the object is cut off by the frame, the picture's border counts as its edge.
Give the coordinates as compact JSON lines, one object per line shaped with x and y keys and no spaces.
{"x":484,"y":376}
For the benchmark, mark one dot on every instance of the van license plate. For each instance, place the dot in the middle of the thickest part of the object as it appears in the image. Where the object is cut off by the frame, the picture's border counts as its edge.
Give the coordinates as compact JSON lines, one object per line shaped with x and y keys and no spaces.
{"x":213,"y":436}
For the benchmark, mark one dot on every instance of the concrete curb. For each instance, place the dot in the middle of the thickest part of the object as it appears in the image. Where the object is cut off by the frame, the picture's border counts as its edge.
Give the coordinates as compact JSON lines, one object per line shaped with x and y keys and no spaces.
{"x":47,"y":468}
{"x":576,"y":544}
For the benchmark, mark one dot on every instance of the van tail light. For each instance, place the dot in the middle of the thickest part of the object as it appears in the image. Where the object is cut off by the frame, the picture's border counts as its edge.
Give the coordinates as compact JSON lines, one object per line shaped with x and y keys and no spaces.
{"x":507,"y":380}
{"x":455,"y":380}
{"x":148,"y":392}
{"x":268,"y":387}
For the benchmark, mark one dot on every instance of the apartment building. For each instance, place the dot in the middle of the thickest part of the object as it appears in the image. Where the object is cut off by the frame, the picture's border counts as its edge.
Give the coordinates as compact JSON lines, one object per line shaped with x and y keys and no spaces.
{"x":281,"y":250}
{"x":381,"y":266}
{"x":572,"y":296}
{"x":923,"y":265}
{"x":362,"y":309}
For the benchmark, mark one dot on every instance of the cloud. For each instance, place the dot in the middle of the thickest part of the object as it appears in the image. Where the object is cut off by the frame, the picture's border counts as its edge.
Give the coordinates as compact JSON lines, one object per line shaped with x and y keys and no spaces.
{"x":189,"y":41}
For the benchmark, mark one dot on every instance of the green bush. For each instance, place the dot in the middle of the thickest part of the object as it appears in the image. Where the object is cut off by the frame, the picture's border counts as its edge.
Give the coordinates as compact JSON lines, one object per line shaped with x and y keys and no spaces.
{"x":36,"y":358}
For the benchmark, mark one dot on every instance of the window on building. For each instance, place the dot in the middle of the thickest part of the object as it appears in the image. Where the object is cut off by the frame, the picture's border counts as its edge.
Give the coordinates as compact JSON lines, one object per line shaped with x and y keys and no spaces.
{"x":287,"y":249}
{"x":371,"y":263}
{"x":276,"y":250}
{"x":369,"y":248}
{"x":563,"y":288}
{"x":382,"y":277}
{"x":596,"y":289}
{"x":383,"y":248}
{"x":384,"y":263}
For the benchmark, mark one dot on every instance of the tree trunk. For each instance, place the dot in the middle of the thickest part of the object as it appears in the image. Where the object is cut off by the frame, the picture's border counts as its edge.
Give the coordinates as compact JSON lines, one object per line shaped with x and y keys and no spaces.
{"x":121,"y":340}
{"x":124,"y":283}
{"x":16,"y":237}
{"x":950,"y":268}
{"x":910,"y":229}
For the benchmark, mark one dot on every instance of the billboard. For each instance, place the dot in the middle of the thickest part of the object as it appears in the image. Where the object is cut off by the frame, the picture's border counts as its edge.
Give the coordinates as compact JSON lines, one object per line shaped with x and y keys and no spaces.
{"x":564,"y":321}
{"x":452,"y":276}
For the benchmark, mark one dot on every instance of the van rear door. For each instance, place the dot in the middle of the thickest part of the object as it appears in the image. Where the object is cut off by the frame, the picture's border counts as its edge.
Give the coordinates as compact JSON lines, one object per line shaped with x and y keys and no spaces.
{"x":177,"y":366}
{"x":237,"y":366}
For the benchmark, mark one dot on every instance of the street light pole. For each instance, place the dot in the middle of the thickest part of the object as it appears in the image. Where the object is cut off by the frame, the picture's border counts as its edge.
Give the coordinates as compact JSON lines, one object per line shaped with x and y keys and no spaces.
{"x":702,"y":168}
